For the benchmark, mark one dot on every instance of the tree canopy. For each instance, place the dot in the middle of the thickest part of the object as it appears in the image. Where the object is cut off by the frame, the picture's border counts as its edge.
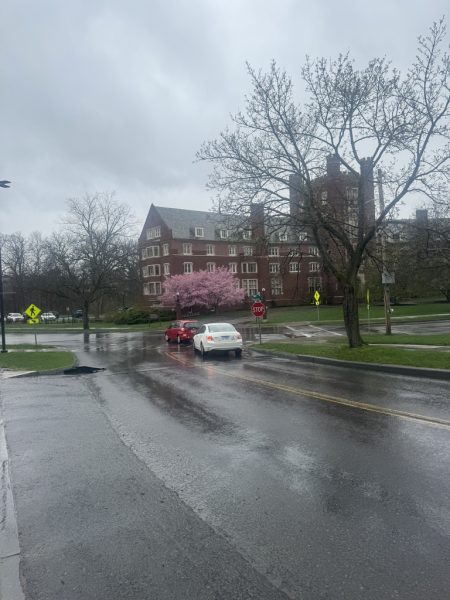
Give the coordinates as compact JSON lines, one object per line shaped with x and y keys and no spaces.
{"x":366,"y":119}
{"x":202,"y":289}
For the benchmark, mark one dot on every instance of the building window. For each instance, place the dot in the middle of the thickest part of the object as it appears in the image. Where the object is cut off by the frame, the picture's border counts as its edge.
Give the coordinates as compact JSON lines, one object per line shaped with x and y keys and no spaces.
{"x":250,"y":286}
{"x":223,"y":234}
{"x":187,"y":248}
{"x":154,"y":270}
{"x":276,"y":286}
{"x":232,"y":251}
{"x":150,"y":252}
{"x":274,"y":251}
{"x":294,"y":267}
{"x":144,"y":271}
{"x":249,"y":267}
{"x":294,"y":252}
{"x":153,"y":233}
{"x":314,"y":266}
{"x":247,"y":234}
{"x":274,"y":267}
{"x":324,"y":196}
{"x":210,"y":249}
{"x":248,"y":250}
{"x":188,"y":267}
{"x":166,"y":268}
{"x":232,"y":267}
{"x":165,"y":249}
{"x":302,"y":236}
{"x":313,"y":251}
{"x":153,"y":288}
{"x":314,"y":284}
{"x":199,"y":232}
{"x":282,"y":236}
{"x":210,"y":267}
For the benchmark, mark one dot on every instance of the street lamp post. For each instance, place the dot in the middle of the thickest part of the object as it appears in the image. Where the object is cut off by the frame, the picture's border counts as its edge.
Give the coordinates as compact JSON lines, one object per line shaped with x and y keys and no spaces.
{"x":4,"y":184}
{"x":2,"y":307}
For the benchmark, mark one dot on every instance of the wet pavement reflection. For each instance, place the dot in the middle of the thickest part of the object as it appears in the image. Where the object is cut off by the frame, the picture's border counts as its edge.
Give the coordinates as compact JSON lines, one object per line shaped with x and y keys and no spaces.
{"x":300,"y":465}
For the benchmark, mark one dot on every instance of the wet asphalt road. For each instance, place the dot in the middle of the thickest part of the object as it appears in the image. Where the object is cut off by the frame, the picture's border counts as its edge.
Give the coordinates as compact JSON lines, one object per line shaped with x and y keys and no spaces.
{"x":169,"y":477}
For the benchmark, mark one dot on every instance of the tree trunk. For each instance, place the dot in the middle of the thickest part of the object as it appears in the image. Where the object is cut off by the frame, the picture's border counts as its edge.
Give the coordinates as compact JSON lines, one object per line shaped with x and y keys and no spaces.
{"x":351,"y":316}
{"x":85,"y":315}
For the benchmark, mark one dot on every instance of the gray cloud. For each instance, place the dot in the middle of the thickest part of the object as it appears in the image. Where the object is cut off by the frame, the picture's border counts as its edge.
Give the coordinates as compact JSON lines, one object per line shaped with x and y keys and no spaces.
{"x":104,"y":95}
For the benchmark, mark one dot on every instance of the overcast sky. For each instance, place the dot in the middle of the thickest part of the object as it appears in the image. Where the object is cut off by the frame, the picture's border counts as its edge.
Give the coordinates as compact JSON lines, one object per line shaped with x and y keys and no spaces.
{"x":115,"y":95}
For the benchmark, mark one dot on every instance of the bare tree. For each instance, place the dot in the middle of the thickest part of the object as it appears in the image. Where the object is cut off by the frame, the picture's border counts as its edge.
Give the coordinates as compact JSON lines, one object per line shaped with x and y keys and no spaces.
{"x":15,"y":267}
{"x":366,"y":119}
{"x":92,"y":251}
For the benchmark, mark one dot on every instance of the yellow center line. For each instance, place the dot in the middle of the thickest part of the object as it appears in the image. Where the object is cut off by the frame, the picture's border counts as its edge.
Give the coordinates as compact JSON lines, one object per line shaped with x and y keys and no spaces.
{"x":391,"y":412}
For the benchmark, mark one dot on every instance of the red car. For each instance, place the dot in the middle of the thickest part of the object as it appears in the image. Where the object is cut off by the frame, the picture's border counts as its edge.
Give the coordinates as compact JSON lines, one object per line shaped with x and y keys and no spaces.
{"x":181,"y":331}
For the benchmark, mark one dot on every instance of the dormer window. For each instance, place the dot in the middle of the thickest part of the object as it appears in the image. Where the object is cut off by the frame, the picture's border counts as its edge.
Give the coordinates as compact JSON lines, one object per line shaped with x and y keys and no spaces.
{"x":154,"y":233}
{"x":199,"y":232}
{"x":223,"y":234}
{"x":247,"y":234}
{"x":282,"y":236}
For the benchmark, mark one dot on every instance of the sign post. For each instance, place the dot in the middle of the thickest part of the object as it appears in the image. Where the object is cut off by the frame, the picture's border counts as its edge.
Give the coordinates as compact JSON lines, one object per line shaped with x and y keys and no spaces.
{"x":33,"y":313}
{"x":317,"y":301}
{"x":368,"y":309}
{"x":257,"y":309}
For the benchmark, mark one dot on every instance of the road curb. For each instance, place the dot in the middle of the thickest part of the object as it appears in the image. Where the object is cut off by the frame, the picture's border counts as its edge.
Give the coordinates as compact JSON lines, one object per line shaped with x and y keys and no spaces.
{"x":10,"y":588}
{"x":383,"y":368}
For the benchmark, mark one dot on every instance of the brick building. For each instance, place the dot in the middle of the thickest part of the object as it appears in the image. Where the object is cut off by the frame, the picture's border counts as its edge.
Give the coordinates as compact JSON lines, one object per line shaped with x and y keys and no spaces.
{"x":274,"y":257}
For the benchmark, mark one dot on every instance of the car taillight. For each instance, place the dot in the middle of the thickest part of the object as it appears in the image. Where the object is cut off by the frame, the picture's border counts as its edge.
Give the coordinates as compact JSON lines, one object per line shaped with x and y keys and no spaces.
{"x":209,"y":338}
{"x":181,"y":328}
{"x":238,"y":336}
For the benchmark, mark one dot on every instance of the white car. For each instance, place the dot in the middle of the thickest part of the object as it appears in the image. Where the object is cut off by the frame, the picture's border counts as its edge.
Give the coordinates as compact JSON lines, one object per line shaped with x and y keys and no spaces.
{"x":14,"y":318}
{"x":217,"y":336}
{"x":47,"y":317}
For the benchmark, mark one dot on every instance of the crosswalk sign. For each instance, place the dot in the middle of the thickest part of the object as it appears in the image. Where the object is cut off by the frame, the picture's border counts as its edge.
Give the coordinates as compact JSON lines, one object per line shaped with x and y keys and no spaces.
{"x":33,"y":312}
{"x":33,"y":321}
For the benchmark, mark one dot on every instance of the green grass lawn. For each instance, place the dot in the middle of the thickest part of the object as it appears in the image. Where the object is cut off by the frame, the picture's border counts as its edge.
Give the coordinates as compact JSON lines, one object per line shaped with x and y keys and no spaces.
{"x":437,"y":339}
{"x":37,"y":360}
{"x":433,"y":359}
{"x":334,"y":313}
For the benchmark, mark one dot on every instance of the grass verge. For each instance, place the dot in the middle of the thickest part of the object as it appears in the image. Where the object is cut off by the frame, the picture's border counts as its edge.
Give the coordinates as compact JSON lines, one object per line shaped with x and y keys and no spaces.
{"x":430,"y":359}
{"x":22,"y":359}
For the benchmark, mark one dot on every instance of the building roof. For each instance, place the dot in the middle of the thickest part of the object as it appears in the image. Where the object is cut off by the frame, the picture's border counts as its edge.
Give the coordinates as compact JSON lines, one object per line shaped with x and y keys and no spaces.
{"x":181,"y":221}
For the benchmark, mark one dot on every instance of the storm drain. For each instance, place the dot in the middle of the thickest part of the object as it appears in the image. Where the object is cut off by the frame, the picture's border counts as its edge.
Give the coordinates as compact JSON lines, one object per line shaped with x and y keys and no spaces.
{"x":82,"y":370}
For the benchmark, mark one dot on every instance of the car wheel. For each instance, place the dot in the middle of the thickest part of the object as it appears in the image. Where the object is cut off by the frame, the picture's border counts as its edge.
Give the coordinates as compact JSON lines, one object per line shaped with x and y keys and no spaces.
{"x":202,"y":351}
{"x":238,"y":353}
{"x":167,"y":338}
{"x":178,"y":339}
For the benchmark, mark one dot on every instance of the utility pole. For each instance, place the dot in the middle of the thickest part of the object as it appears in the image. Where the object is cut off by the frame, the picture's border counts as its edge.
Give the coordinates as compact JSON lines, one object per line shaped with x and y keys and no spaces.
{"x":386,"y":277}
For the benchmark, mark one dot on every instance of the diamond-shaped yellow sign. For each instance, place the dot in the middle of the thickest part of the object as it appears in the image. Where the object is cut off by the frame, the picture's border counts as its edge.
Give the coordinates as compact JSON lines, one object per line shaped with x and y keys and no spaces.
{"x":316,"y":296}
{"x":33,"y":311}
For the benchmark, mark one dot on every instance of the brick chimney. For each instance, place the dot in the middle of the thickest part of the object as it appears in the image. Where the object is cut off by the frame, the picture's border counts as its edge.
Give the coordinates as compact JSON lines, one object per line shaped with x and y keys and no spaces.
{"x":295,"y":195}
{"x":333,"y":166}
{"x":257,"y":220}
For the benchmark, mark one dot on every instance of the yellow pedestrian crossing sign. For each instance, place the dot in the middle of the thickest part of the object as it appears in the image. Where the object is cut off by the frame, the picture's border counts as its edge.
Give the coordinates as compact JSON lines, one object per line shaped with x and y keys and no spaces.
{"x":33,"y":312}
{"x":33,"y":321}
{"x":317,"y":297}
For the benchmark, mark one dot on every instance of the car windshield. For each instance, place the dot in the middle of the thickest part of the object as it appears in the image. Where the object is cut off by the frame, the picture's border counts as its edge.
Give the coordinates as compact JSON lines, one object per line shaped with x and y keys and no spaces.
{"x":218,"y":327}
{"x":192,"y":325}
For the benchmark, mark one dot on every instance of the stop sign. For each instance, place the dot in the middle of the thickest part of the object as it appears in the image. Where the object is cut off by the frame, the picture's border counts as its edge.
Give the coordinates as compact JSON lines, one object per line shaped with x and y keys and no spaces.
{"x":258,"y":309}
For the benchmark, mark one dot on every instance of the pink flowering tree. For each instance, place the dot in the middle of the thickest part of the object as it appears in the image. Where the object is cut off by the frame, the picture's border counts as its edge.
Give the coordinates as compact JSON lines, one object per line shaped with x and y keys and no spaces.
{"x":202,"y":289}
